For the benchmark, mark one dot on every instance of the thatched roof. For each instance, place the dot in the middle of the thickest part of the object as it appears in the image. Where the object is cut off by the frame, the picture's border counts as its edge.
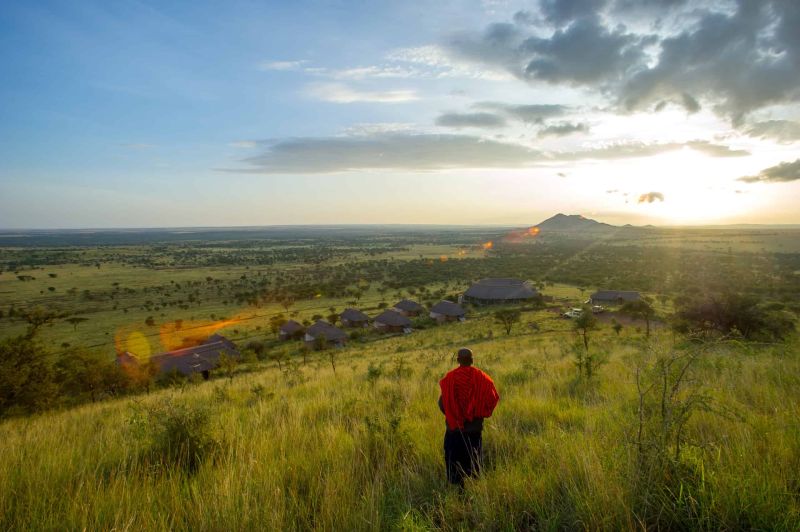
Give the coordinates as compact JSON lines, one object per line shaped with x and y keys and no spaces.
{"x":501,"y":290}
{"x":393,"y":319}
{"x":291,"y":327}
{"x":326,"y":330}
{"x":203,"y":357}
{"x":409,"y":306}
{"x":353,"y":314}
{"x":447,"y":308}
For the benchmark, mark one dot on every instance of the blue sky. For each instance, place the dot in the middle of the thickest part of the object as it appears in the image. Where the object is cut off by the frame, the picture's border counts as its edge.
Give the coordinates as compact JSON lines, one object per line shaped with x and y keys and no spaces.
{"x":143,"y":114}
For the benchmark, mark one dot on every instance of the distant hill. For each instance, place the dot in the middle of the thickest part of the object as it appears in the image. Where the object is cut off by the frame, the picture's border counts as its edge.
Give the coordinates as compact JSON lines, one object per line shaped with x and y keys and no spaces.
{"x":568,"y":223}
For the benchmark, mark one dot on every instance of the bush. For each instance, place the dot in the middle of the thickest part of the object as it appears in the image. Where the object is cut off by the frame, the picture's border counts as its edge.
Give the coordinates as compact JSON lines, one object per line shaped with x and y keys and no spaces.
{"x":733,"y":314}
{"x":175,"y":435}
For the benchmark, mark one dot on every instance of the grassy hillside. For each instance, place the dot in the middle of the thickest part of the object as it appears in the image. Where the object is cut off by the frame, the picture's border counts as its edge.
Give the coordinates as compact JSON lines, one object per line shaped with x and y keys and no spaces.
{"x":360,"y":449}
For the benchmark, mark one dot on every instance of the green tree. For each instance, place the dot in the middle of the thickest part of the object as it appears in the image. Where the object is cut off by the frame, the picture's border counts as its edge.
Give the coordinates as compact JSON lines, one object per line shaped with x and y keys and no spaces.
{"x":85,"y":375}
{"x":507,"y":318}
{"x":639,"y":309}
{"x":38,"y":318}
{"x":276,"y":322}
{"x":584,"y":360}
{"x":75,"y":321}
{"x":27,"y":382}
{"x":227,"y":364}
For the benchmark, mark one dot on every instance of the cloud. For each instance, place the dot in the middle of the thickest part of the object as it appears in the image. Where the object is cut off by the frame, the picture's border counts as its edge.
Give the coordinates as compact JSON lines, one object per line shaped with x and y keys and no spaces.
{"x":584,"y":52}
{"x":376,"y":128}
{"x":780,"y":130}
{"x":390,"y":151}
{"x":741,"y":61}
{"x":433,"y":61}
{"x":481,"y":120}
{"x":640,"y":149}
{"x":734,"y":57}
{"x":715,"y":150}
{"x":530,"y":114}
{"x":563,"y":129}
{"x":246,"y":144}
{"x":384,"y":71}
{"x":782,"y":173}
{"x":612,"y":191}
{"x":650,"y":197}
{"x":341,"y":93}
{"x":414,"y":151}
{"x":560,"y":12}
{"x":281,"y":65}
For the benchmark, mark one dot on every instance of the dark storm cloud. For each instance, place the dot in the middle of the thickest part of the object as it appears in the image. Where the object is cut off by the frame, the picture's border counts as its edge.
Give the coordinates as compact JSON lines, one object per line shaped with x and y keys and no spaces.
{"x":736,"y":57}
{"x":739,"y":61}
{"x":561,"y":12}
{"x":650,"y":197}
{"x":563,"y":129}
{"x":481,"y":120}
{"x":782,"y":173}
{"x":585,"y":52}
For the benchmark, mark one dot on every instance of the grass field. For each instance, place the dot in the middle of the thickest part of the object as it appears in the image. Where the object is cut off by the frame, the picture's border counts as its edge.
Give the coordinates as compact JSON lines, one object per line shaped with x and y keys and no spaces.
{"x":360,"y":449}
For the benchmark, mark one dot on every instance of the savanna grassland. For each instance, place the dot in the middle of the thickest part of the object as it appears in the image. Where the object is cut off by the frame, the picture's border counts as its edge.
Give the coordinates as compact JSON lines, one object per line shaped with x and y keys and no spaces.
{"x":691,"y":427}
{"x":360,"y":448}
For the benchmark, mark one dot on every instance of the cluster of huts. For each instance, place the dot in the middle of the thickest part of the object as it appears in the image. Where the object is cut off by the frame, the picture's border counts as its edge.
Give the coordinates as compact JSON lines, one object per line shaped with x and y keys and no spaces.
{"x":205,"y":357}
{"x":396,"y":319}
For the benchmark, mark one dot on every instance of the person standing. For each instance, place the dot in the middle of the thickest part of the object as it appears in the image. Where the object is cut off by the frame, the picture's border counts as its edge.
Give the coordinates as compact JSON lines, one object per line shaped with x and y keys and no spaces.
{"x":468,"y":395}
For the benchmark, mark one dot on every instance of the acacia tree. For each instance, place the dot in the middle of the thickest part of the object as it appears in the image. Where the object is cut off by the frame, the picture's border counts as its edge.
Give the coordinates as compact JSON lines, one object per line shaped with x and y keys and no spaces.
{"x":507,"y":318}
{"x":276,"y":322}
{"x":75,"y":320}
{"x":639,"y":309}
{"x":585,"y":361}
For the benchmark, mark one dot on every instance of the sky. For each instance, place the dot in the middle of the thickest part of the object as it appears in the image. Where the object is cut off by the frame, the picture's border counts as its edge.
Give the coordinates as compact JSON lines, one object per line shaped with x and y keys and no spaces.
{"x":176,"y":114}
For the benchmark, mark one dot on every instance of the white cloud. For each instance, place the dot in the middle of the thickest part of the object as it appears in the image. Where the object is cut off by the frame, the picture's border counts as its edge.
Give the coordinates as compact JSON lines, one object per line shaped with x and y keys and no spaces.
{"x":341,"y":93}
{"x":437,"y":62}
{"x":246,"y":144}
{"x":376,"y":128}
{"x":281,"y":65}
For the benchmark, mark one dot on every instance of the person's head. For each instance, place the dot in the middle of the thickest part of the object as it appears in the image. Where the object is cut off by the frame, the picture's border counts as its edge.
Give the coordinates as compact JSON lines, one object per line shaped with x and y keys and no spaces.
{"x":465,"y":357}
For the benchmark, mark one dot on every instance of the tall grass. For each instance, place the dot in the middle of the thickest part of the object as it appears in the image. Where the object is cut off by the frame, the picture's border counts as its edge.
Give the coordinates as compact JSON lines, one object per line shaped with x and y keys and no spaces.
{"x":361,"y":449}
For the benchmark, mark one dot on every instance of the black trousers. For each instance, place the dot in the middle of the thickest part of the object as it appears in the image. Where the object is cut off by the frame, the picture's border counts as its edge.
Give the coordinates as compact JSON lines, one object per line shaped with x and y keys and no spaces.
{"x":462,"y":455}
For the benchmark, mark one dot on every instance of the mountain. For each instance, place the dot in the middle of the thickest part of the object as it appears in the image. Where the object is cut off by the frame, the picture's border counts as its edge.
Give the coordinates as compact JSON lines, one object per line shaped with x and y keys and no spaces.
{"x":563,"y":223}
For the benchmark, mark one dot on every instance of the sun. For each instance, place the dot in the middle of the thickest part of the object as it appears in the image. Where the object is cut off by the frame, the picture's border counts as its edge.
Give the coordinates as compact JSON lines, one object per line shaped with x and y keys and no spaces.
{"x":687,"y":187}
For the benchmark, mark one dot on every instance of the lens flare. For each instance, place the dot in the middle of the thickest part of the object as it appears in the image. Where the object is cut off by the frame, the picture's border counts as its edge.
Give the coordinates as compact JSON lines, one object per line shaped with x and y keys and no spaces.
{"x":136,"y":342}
{"x":179,"y":334}
{"x":488,"y":245}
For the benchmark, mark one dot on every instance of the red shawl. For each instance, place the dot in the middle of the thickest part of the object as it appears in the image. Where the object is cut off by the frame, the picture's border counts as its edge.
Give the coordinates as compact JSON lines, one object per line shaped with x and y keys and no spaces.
{"x":467,"y":393}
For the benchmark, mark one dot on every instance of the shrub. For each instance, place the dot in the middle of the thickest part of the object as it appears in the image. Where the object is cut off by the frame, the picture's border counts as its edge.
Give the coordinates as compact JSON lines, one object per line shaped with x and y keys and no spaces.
{"x":733,"y":314}
{"x":175,"y":435}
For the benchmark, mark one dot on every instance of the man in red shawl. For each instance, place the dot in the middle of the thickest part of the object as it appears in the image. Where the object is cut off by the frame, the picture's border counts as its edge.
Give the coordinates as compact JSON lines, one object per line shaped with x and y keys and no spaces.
{"x":468,"y":396}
